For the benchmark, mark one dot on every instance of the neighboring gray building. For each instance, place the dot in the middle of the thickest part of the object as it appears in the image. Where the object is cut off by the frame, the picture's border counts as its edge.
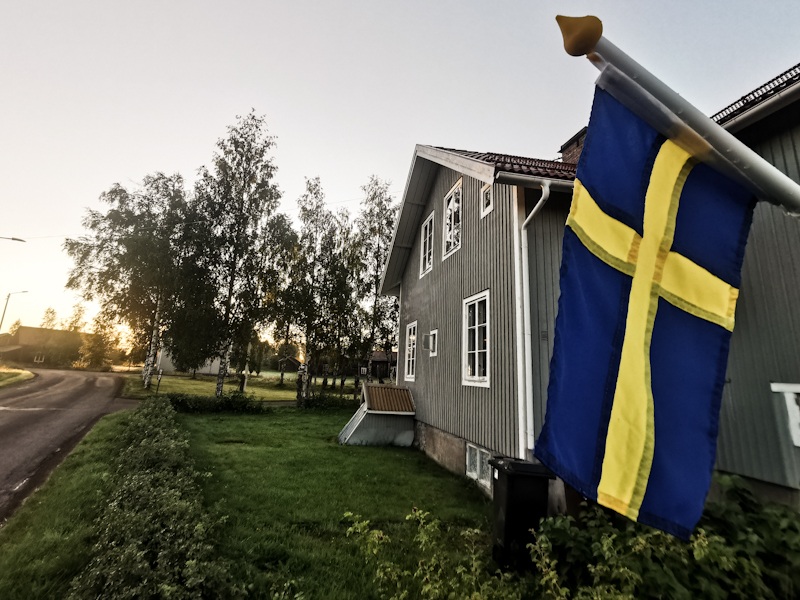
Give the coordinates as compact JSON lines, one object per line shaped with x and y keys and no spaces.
{"x":459,"y":261}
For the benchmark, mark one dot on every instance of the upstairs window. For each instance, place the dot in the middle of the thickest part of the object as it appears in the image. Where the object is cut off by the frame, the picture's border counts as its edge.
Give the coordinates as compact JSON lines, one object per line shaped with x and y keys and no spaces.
{"x":452,"y":220}
{"x":426,"y":247}
{"x":411,"y":351}
{"x":487,"y":199}
{"x":475,"y":354}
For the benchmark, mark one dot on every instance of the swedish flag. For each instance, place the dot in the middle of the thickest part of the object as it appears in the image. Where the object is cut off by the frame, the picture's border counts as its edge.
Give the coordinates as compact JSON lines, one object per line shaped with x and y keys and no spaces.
{"x":650,"y":273}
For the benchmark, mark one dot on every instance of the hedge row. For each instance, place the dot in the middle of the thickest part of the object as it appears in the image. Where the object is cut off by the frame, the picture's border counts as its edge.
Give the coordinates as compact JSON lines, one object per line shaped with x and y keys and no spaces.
{"x":154,"y":537}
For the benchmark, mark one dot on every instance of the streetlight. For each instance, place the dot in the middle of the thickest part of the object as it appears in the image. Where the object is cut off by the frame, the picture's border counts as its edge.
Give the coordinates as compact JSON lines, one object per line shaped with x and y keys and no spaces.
{"x":6,"y":306}
{"x":13,"y":240}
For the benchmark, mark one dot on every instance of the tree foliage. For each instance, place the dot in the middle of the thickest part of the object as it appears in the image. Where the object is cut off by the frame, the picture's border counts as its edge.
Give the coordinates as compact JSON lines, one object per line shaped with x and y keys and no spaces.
{"x":238,"y":197}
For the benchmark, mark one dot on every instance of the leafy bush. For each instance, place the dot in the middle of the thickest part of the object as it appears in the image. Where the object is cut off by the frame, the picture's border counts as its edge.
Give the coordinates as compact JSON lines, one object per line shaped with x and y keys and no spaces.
{"x":232,"y":402}
{"x":330,"y":400}
{"x":444,"y":569}
{"x":154,"y":536}
{"x":740,"y":550}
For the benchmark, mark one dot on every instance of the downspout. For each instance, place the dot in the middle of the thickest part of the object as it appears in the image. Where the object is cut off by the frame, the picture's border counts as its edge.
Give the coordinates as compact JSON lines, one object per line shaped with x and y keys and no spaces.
{"x":526,"y":313}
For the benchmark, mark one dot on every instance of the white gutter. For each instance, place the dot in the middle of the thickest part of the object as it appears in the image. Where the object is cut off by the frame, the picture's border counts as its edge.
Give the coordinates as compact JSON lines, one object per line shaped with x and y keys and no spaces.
{"x":526,"y":300}
{"x":773,"y":104}
{"x":558,"y":185}
{"x":688,"y":127}
{"x":520,"y":308}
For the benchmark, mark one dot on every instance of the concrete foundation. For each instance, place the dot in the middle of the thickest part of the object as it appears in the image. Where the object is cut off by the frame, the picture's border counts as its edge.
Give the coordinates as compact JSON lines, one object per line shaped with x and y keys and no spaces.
{"x":446,"y":449}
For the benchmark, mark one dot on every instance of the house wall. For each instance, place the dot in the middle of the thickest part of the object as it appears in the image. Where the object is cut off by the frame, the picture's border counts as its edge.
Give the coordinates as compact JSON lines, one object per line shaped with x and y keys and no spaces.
{"x":765,"y":346}
{"x":545,"y":238}
{"x":485,"y":416}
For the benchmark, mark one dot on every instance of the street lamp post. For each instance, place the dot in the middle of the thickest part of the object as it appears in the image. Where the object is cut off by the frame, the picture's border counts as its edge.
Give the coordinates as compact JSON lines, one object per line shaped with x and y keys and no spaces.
{"x":6,"y":306}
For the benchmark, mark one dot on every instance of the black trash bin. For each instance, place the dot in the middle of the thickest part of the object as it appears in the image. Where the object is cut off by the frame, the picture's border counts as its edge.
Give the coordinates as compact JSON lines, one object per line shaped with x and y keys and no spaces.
{"x":520,"y":501}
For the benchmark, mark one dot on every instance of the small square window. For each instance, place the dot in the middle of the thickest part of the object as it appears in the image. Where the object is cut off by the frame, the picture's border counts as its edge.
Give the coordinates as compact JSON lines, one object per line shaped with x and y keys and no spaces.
{"x":487,"y":199}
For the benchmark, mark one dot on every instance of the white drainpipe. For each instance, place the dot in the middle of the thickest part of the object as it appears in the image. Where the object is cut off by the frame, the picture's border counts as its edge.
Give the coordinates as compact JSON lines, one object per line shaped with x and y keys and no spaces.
{"x":526,"y":312}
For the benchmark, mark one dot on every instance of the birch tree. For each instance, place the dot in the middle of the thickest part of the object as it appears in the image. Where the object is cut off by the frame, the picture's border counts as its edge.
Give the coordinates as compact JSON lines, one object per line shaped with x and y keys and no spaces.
{"x":237,"y":194}
{"x":375,"y":225}
{"x":127,"y":261}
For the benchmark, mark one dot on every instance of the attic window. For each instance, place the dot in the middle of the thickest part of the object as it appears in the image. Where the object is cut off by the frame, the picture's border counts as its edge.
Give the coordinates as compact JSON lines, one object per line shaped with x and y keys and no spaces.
{"x":487,"y":199}
{"x":452,"y":220}
{"x":426,"y":247}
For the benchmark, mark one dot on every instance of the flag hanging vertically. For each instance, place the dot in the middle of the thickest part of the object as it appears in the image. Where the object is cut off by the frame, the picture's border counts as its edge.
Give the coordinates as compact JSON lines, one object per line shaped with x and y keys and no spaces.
{"x":650,"y":273}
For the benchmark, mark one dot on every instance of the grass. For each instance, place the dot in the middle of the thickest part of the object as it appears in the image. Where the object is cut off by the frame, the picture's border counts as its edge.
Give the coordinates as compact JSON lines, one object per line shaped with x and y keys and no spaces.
{"x":11,"y":376}
{"x":285,"y":483}
{"x":47,"y":541}
{"x":205,"y":386}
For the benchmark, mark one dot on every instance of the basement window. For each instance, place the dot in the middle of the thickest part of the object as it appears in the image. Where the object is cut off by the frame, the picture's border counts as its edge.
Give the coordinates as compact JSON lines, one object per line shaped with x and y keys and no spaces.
{"x":478,"y":467}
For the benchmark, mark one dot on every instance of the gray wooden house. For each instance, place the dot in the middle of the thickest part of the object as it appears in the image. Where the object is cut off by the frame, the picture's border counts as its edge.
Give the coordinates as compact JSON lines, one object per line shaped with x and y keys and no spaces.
{"x":457,"y":262}
{"x":478,"y":286}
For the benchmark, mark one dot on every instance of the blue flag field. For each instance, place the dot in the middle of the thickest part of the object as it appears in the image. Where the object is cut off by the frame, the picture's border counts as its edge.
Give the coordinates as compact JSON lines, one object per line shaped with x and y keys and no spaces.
{"x":650,"y":277}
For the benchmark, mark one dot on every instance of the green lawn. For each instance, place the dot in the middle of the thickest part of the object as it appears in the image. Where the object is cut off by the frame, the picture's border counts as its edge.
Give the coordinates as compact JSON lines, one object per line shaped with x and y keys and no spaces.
{"x":268,"y":389}
{"x":285,"y":483}
{"x":12,"y":376}
{"x":46,"y":542}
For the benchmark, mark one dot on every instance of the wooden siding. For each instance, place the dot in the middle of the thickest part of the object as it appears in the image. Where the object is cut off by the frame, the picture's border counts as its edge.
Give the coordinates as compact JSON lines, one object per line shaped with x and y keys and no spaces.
{"x":545,"y":238}
{"x":485,"y":416}
{"x":765,"y":346}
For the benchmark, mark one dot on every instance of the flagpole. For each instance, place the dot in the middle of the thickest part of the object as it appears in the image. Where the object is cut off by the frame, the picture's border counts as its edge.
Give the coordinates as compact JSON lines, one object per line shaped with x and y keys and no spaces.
{"x":584,"y":36}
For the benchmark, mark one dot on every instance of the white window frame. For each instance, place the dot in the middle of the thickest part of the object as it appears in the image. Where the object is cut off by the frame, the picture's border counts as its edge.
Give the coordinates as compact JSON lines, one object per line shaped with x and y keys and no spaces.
{"x":485,"y":210}
{"x":426,"y":243}
{"x":791,"y":396}
{"x":482,"y":471}
{"x":411,"y":352}
{"x":457,"y":188}
{"x":466,"y":378}
{"x":434,"y":342}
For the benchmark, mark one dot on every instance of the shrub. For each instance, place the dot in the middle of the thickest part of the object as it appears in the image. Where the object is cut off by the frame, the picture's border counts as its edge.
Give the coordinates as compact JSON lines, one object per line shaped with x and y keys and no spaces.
{"x":330,"y":400}
{"x":231,"y":402}
{"x":447,"y":566}
{"x":154,"y":536}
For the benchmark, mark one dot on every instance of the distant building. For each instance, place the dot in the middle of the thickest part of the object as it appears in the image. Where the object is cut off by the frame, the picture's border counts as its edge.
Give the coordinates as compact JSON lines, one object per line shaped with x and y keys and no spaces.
{"x":38,"y":346}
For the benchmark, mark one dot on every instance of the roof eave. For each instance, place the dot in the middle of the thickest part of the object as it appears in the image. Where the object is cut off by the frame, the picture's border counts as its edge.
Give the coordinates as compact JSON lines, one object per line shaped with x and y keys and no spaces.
{"x":763,"y":109}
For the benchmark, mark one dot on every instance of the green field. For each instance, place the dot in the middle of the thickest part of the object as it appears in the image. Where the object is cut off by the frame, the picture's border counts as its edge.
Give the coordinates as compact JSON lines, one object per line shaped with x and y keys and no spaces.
{"x":47,"y":541}
{"x":265,"y":387}
{"x":12,"y":376}
{"x":284,"y":482}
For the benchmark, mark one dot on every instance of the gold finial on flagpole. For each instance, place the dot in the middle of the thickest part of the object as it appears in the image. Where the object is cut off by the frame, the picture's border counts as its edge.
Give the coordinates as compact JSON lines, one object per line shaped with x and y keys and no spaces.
{"x":580,"y":33}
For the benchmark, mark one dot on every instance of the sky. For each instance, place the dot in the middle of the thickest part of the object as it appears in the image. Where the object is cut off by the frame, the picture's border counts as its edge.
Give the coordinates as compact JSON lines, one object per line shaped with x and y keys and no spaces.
{"x":98,"y":93}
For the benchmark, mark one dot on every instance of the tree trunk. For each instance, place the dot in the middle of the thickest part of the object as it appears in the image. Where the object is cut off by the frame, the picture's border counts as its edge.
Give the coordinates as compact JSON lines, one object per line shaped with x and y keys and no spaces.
{"x":246,"y":374}
{"x":223,"y":369}
{"x":150,"y":361}
{"x":283,"y":369}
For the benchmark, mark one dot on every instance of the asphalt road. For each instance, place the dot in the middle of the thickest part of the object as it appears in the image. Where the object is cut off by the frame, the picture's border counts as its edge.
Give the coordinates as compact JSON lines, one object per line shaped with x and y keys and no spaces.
{"x":42,"y":420}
